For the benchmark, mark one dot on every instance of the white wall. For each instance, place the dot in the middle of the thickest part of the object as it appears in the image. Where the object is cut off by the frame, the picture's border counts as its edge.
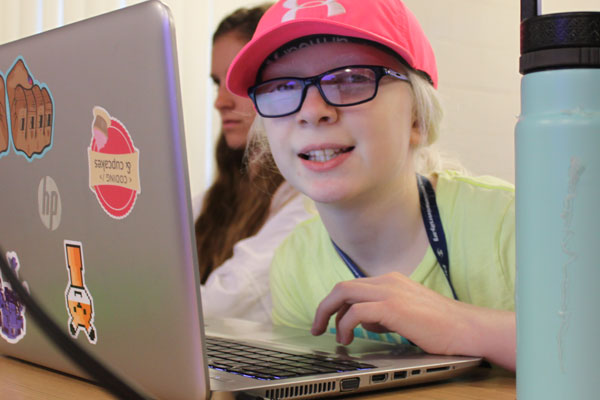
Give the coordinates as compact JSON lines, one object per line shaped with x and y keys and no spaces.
{"x":476,"y":43}
{"x":477,"y":48}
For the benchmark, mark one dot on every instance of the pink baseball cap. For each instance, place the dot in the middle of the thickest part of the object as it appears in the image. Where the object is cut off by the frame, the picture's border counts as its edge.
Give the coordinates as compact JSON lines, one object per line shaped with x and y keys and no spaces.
{"x":387,"y":22}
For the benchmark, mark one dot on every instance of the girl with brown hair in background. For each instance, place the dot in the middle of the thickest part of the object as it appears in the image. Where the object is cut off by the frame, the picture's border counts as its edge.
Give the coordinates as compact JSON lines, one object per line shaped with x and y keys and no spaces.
{"x":245,"y":214}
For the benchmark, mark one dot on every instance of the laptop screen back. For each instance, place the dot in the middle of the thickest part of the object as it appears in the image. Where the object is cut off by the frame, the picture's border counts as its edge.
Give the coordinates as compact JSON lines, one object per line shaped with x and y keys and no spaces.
{"x":95,"y":214}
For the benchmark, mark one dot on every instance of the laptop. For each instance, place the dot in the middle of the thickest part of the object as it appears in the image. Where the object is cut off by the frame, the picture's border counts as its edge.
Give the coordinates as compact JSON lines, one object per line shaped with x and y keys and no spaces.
{"x":96,"y":222}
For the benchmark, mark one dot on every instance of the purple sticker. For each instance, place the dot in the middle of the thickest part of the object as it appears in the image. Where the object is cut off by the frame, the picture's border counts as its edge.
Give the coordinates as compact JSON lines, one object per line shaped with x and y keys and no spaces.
{"x":13,"y":326}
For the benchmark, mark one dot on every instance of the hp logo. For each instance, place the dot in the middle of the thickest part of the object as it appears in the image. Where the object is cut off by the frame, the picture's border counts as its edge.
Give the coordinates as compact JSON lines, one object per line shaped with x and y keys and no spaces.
{"x":49,"y":204}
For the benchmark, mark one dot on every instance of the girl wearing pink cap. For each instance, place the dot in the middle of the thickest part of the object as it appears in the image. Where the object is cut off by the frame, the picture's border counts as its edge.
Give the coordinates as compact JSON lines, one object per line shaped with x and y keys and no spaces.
{"x":346,"y":94}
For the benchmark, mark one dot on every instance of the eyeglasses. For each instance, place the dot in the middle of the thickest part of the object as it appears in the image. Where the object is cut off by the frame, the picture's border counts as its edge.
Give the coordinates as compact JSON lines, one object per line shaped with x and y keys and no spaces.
{"x":340,"y":87}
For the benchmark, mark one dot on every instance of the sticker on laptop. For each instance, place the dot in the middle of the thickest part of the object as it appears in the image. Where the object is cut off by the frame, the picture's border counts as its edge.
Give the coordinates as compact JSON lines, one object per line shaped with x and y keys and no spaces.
{"x":4,"y":135}
{"x":114,"y":165}
{"x":80,"y":305}
{"x":26,"y":113}
{"x":13,"y":325}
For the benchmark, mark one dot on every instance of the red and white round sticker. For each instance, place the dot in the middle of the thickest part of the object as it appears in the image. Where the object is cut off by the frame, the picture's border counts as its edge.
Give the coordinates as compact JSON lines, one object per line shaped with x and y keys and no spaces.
{"x":114,"y":165}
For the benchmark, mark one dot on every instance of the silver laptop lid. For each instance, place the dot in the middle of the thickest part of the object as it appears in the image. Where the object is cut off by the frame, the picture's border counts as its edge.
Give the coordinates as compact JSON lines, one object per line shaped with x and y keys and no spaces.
{"x":95,"y":214}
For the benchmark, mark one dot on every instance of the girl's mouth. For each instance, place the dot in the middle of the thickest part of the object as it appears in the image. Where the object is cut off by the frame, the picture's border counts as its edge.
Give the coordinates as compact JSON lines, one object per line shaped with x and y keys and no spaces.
{"x":324,"y":155}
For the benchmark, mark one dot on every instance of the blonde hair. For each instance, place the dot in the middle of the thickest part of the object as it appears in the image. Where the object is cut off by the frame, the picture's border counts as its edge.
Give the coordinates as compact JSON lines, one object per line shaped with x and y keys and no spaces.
{"x":258,"y":152}
{"x":428,"y":114}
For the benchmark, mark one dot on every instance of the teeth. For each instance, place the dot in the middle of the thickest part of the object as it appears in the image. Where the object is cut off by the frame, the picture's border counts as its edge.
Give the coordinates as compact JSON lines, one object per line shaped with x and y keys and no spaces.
{"x":323,"y":155}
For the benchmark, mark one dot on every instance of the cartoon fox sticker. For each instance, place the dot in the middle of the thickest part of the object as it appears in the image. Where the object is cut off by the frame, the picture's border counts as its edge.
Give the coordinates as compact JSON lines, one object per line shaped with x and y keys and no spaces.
{"x":79,"y":301}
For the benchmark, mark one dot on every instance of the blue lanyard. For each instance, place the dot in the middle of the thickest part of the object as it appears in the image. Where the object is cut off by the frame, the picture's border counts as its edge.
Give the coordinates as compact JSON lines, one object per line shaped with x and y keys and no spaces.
{"x":433,"y":226}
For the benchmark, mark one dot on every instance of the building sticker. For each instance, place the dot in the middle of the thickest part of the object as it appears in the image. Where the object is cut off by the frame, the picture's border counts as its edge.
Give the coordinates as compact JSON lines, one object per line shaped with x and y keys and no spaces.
{"x":114,"y":165}
{"x":4,"y":135}
{"x":26,"y":113}
{"x":80,"y":305}
{"x":13,"y":325}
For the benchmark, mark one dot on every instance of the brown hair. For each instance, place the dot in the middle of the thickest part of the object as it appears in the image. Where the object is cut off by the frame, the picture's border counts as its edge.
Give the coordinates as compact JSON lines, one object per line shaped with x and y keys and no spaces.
{"x":237,"y":204}
{"x":242,"y":21}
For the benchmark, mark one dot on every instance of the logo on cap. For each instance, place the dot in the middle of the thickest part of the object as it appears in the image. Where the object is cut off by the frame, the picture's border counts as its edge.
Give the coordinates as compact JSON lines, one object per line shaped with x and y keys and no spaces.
{"x":333,"y":8}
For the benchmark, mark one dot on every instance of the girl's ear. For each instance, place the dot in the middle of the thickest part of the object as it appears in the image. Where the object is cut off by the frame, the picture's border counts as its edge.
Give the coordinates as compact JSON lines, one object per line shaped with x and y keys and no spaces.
{"x":417,"y":139}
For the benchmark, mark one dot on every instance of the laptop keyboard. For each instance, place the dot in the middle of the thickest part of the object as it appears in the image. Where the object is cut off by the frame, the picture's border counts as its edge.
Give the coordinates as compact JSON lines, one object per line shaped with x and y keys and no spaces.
{"x":266,"y":364}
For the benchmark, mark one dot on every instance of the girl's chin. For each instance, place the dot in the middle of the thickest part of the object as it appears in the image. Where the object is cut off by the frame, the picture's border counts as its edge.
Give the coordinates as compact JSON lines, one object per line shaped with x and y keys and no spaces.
{"x":235,"y":140}
{"x":325,"y":195}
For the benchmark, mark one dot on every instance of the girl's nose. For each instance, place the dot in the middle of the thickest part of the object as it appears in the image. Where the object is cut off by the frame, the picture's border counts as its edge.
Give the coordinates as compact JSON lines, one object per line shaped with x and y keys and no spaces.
{"x":224,"y":98}
{"x":315,"y":109}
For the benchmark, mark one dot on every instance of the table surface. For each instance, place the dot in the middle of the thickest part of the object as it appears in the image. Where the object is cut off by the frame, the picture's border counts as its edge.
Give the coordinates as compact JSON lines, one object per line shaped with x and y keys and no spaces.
{"x":23,"y":381}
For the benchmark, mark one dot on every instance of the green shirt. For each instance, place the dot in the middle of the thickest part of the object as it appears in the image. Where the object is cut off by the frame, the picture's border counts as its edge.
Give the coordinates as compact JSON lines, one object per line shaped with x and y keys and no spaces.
{"x":478,"y":217}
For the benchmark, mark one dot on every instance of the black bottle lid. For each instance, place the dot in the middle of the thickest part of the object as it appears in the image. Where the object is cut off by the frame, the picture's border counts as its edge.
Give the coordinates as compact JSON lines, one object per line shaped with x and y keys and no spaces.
{"x":558,"y":41}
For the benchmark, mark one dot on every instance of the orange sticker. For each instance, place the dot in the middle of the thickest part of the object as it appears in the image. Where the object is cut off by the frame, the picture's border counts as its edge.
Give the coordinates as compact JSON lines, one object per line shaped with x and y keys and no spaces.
{"x":80,"y":304}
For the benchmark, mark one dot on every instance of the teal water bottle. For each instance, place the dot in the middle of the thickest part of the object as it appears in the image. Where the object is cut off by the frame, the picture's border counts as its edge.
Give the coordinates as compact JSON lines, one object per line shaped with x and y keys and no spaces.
{"x":557,"y":145}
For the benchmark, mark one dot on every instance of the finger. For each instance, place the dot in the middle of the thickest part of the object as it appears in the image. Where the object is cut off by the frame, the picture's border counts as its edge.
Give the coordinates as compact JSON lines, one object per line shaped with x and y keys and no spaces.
{"x":360,"y":313}
{"x":18,"y":115}
{"x":321,"y":329}
{"x":39,"y":116}
{"x":3,"y":123}
{"x":3,"y":133}
{"x":43,"y":133}
{"x":341,"y":312}
{"x":31,"y":117}
{"x":48,"y":109}
{"x":377,"y":328}
{"x":18,"y":76}
{"x":21,"y":104}
{"x":348,"y":292}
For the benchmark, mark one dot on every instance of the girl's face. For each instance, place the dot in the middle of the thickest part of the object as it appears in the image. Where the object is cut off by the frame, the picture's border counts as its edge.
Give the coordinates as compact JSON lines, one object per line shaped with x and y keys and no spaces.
{"x":237,"y":113}
{"x":344,"y":155}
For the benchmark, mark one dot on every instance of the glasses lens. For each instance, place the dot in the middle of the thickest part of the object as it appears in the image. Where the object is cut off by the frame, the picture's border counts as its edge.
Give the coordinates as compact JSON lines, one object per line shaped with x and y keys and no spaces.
{"x":349,"y":85}
{"x":278,"y":97}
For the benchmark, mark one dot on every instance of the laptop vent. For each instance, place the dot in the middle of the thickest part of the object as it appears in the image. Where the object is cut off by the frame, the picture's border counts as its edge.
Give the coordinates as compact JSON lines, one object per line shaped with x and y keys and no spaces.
{"x":289,"y":392}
